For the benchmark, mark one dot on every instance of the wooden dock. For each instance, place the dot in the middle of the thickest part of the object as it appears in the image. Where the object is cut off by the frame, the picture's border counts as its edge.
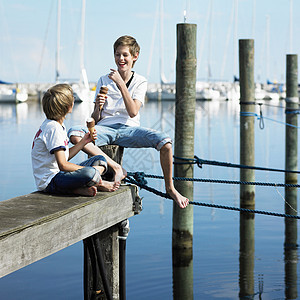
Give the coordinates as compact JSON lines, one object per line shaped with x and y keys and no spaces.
{"x":37,"y":225}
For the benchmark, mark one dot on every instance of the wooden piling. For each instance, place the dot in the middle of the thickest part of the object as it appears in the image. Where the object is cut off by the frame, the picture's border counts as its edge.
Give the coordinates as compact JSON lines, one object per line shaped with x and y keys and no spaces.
{"x":107,"y":241}
{"x":184,"y":130}
{"x":247,"y":155}
{"x":291,"y":144}
{"x":291,"y":163}
{"x":292,"y":104}
{"x":247,"y":104}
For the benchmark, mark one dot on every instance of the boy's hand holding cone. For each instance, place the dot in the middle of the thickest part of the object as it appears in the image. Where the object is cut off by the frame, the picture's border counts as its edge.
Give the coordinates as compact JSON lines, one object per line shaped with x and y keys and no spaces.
{"x":103,"y":91}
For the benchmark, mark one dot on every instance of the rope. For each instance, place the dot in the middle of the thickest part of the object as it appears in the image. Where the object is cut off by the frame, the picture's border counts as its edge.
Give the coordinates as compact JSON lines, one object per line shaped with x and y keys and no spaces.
{"x":139,"y":180}
{"x":289,"y":111}
{"x":287,"y":124}
{"x":199,"y":162}
{"x":252,"y":114}
{"x":260,"y":117}
{"x":140,"y":177}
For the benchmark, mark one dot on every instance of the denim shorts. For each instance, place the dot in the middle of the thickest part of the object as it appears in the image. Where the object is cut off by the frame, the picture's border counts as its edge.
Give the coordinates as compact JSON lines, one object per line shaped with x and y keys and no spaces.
{"x":66,"y":182}
{"x":124,"y":136}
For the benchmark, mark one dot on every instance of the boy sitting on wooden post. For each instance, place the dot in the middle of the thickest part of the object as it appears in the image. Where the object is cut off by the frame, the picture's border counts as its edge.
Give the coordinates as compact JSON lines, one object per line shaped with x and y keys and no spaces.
{"x":117,"y":114}
{"x":50,"y":153}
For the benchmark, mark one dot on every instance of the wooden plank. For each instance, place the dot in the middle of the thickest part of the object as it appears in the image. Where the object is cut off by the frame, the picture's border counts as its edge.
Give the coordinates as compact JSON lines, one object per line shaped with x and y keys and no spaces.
{"x":37,"y":225}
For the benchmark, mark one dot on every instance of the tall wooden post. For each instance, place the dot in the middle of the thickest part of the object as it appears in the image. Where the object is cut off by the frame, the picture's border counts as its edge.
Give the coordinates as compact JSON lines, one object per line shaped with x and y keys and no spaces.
{"x":247,"y":100}
{"x":292,"y":104}
{"x":182,"y":238}
{"x":291,"y":163}
{"x":247,"y":192}
{"x":184,"y":130}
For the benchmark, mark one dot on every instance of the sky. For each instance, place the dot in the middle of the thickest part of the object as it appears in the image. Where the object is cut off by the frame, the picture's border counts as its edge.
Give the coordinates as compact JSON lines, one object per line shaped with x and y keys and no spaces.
{"x":28,"y":38}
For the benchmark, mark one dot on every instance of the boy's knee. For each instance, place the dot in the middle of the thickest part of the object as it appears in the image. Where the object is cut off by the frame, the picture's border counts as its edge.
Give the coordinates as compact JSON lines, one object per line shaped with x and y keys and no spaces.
{"x":100,"y":161}
{"x":166,"y":147}
{"x":92,"y":175}
{"x":165,"y":144}
{"x":75,"y":139}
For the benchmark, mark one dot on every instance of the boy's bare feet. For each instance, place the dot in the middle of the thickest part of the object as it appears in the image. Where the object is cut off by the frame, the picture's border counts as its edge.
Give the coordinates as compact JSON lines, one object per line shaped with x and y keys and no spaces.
{"x":178,"y":198}
{"x":86,"y":191}
{"x":108,"y":186}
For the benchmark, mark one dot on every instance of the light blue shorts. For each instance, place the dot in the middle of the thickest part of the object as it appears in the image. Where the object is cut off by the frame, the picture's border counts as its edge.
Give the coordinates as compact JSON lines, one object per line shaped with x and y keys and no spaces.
{"x":124,"y":136}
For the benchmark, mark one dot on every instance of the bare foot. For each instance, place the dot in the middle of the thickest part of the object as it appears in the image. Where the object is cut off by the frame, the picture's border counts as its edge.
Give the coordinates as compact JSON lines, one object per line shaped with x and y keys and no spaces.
{"x":108,"y":186}
{"x":176,"y":196}
{"x":120,"y":174}
{"x":86,"y":191}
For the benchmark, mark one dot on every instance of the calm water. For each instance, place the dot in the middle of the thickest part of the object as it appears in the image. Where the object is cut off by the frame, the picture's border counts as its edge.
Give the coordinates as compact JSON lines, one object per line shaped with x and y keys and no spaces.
{"x":219,"y":269}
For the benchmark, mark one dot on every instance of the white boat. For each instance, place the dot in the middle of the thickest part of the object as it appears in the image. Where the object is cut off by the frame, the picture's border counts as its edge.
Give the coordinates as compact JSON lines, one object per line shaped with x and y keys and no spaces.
{"x":11,"y":94}
{"x":207,"y":91}
{"x":163,"y":92}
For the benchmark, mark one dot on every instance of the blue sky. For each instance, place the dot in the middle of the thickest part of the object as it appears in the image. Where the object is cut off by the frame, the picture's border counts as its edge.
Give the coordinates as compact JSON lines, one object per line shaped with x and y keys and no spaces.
{"x":28,"y":36}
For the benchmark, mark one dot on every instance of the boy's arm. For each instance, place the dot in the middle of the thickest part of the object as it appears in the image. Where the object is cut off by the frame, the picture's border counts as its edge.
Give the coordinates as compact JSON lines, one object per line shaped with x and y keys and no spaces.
{"x":67,"y":166}
{"x":79,"y":146}
{"x":63,"y":164}
{"x":132,"y":106}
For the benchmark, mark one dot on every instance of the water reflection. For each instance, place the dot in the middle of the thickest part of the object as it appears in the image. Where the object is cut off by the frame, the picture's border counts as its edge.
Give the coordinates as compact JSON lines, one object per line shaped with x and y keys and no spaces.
{"x":247,"y":243}
{"x":13,"y":111}
{"x":271,"y":269}
{"x":182,"y":274}
{"x":290,"y":245}
{"x":16,"y":112}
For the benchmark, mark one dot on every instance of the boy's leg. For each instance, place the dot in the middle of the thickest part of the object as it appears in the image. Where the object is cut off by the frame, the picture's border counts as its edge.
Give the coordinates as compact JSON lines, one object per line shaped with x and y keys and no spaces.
{"x":166,"y":161}
{"x":139,"y":137}
{"x":93,"y":150}
{"x":81,"y":181}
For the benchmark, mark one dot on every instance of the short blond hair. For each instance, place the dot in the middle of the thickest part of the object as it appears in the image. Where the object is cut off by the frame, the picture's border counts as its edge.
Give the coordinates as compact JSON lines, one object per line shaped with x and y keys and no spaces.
{"x":57,"y":101}
{"x":130,"y":42}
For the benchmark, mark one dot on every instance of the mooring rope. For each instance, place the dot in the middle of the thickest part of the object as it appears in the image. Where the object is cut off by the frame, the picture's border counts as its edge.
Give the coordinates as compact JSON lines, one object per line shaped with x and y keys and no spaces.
{"x":138,"y":178}
{"x":260,"y":118}
{"x":199,"y":162}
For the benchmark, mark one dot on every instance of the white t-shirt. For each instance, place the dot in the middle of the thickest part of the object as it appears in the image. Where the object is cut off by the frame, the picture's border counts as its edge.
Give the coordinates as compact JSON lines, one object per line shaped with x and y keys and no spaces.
{"x":50,"y":137}
{"x":114,"y":110}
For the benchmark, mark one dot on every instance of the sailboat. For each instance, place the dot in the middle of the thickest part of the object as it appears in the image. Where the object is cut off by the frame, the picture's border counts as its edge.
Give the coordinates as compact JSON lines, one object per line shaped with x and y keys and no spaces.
{"x":12,"y":94}
{"x":81,"y":89}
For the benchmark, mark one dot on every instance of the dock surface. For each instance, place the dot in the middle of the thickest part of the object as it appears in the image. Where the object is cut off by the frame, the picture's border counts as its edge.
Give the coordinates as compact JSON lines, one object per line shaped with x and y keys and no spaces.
{"x":37,"y":225}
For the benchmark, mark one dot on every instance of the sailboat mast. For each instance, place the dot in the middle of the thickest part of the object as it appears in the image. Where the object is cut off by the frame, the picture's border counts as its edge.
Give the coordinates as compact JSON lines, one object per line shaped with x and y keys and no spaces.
{"x":57,"y":58}
{"x":83,"y":70}
{"x":291,"y":26}
{"x":161,"y":43}
{"x":253,"y":18}
{"x":82,"y":35}
{"x":210,"y":41}
{"x":235,"y":39}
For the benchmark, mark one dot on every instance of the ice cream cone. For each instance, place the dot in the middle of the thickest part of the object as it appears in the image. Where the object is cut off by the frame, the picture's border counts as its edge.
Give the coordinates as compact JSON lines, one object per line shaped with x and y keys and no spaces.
{"x":103,"y":91}
{"x":90,"y":123}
